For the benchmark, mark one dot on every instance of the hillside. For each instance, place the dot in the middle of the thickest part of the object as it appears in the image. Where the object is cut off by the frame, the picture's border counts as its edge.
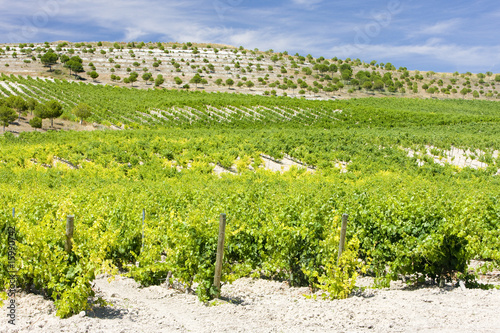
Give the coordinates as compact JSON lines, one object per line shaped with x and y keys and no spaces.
{"x":229,"y":69}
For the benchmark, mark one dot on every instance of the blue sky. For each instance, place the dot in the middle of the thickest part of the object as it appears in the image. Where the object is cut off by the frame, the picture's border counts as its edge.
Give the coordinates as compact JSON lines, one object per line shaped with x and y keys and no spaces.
{"x":426,"y":35}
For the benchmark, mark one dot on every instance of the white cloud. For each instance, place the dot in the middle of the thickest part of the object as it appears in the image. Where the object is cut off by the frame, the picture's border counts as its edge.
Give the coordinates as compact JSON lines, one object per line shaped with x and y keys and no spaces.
{"x":306,"y":2}
{"x":132,"y":33}
{"x":187,"y":21}
{"x":265,"y":39}
{"x":309,"y":4}
{"x":464,"y":58}
{"x":440,"y":28}
{"x":180,"y":20}
{"x":295,"y":28}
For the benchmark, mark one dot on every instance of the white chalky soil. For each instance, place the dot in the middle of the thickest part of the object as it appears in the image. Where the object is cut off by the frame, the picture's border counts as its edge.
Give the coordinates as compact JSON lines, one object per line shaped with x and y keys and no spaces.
{"x":258,"y":305}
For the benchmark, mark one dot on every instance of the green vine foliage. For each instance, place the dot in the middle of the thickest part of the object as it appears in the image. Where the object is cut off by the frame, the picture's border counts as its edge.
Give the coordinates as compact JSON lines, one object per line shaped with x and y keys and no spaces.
{"x":424,"y":221}
{"x":339,"y":279}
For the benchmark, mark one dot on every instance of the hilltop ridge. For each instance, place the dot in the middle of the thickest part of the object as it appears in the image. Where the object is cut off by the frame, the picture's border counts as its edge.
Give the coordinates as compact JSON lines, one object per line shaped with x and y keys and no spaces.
{"x":217,"y":67}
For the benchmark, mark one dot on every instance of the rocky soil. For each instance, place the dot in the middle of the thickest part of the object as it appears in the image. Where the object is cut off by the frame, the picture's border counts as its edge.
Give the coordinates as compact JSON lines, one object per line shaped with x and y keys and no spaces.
{"x":255,"y":305}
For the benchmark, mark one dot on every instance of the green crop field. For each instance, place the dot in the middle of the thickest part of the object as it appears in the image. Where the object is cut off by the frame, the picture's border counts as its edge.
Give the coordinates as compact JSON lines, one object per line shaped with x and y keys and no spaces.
{"x":422,"y":215}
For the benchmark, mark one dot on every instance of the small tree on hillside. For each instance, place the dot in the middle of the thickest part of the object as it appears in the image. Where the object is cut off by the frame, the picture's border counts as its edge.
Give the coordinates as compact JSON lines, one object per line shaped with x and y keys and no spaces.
{"x":55,"y":110}
{"x":177,"y":80}
{"x":49,"y":59}
{"x":367,"y":85}
{"x":146,"y":77}
{"x":32,"y":103}
{"x":36,"y":122}
{"x":159,"y":80}
{"x":346,"y":75}
{"x":464,"y":92}
{"x":17,"y":103}
{"x":51,"y":109}
{"x":378,"y":85}
{"x":133,"y":78}
{"x":82,"y":111}
{"x":196,"y":79}
{"x":41,"y":111}
{"x":229,"y":82}
{"x":74,"y":64}
{"x":64,"y":58}
{"x":333,"y":68}
{"x":94,"y":75}
{"x":6,"y":115}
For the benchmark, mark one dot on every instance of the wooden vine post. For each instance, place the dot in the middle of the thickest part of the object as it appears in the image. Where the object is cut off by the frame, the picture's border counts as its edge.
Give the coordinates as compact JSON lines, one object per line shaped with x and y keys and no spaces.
{"x":343,"y":231}
{"x":220,"y":252}
{"x":70,"y":227}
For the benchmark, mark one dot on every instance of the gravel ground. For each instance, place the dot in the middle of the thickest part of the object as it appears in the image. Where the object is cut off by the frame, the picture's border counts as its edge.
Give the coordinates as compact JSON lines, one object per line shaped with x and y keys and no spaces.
{"x":255,"y":305}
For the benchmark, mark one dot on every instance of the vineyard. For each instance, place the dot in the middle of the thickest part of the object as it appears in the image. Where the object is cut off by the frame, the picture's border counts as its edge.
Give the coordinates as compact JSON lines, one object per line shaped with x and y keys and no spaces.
{"x":131,"y":108}
{"x":385,"y":162}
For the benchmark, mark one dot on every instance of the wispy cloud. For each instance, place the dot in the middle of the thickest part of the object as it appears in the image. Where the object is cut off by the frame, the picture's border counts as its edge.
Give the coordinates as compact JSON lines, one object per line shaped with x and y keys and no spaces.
{"x":463,"y":58}
{"x":309,"y":4}
{"x":439,"y":28}
{"x":277,"y":40}
{"x":393,"y":29}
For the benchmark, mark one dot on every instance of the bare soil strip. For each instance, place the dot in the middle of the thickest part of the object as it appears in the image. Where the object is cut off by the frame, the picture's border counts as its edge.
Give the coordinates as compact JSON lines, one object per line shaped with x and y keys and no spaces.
{"x":250,"y":305}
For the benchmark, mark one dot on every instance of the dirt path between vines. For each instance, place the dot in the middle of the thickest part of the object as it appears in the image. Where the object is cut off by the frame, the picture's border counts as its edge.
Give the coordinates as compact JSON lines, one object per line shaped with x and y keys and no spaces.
{"x":267,"y":306}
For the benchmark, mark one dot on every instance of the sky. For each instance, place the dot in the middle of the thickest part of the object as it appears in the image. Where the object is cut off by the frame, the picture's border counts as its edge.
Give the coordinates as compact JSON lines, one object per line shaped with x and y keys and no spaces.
{"x":442,"y":36}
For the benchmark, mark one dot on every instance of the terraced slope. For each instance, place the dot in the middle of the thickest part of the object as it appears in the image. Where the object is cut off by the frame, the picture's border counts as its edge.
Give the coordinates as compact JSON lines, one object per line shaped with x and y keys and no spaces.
{"x":251,"y":71}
